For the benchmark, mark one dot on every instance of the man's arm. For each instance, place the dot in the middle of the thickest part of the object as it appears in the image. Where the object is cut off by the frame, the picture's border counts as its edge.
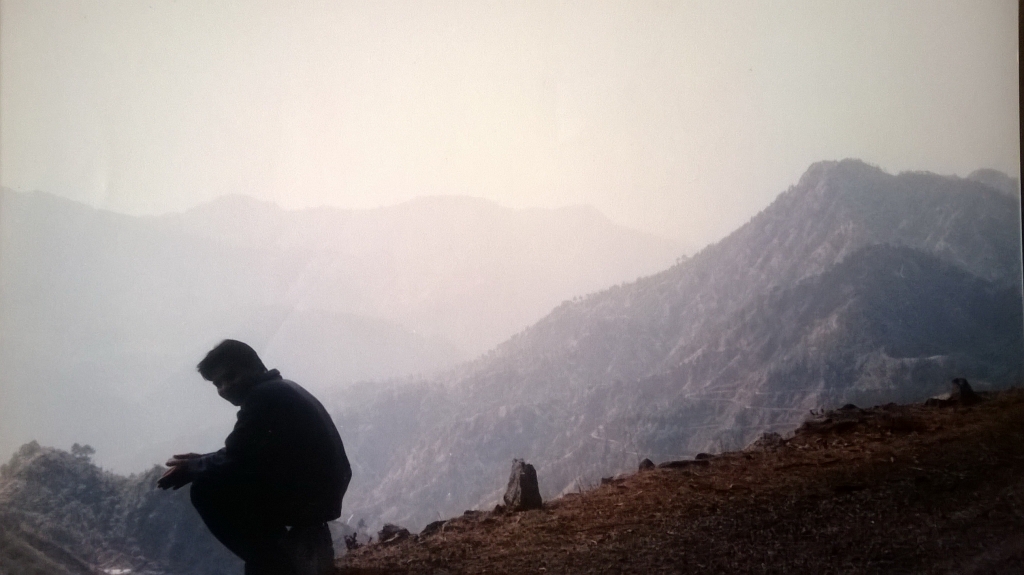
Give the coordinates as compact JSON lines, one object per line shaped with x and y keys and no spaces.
{"x":179,"y":473}
{"x":247,"y":447}
{"x":257,"y":446}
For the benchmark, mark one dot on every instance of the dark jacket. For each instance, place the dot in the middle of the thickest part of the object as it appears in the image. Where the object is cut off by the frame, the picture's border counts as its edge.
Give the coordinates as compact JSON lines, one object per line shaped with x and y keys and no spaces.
{"x":286,"y":448}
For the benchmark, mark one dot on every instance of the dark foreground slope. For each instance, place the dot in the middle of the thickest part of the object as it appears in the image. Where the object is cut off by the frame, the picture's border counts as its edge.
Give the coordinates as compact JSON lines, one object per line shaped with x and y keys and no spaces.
{"x":892,"y":489}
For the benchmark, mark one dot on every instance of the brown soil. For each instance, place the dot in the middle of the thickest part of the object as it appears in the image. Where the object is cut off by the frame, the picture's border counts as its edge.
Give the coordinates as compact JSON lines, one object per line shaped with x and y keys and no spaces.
{"x":893,"y":489}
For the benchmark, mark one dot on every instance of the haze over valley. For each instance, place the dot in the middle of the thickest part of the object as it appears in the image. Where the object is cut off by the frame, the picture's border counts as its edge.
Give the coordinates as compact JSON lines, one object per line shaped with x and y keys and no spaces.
{"x":105,"y":315}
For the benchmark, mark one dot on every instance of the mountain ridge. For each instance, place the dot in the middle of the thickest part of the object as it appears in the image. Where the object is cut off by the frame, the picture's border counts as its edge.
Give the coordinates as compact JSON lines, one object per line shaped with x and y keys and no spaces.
{"x":564,"y":392}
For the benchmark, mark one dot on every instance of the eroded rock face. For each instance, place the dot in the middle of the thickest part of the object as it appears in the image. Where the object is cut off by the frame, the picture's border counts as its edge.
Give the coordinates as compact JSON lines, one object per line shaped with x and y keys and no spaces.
{"x":523,"y":493}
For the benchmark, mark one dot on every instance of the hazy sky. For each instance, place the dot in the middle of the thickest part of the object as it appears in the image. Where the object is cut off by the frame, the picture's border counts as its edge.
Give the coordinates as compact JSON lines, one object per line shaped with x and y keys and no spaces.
{"x":682,"y":118}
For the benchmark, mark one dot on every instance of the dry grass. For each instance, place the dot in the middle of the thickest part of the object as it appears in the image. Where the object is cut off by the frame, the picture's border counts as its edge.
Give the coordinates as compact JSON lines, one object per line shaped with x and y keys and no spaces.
{"x":895,"y":489}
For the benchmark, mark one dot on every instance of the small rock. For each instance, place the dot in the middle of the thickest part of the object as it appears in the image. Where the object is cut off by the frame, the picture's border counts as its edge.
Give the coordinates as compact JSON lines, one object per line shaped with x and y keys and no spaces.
{"x":522,"y":493}
{"x":820,"y":426}
{"x":702,"y":456}
{"x":432,"y":528}
{"x":963,"y":393}
{"x":646,"y":464}
{"x":391,"y":534}
{"x":769,"y":441}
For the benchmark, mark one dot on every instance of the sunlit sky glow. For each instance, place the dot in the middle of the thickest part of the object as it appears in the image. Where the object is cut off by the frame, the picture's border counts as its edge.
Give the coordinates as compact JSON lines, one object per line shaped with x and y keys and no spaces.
{"x":680,"y":118}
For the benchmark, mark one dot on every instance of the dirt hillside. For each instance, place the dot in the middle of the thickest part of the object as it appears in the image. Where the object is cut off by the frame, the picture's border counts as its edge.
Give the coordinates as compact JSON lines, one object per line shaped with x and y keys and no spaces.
{"x":891,"y":489}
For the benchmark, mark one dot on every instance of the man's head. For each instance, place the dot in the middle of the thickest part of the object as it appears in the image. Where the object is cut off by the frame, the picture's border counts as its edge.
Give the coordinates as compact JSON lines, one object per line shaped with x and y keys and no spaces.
{"x":231,"y":366}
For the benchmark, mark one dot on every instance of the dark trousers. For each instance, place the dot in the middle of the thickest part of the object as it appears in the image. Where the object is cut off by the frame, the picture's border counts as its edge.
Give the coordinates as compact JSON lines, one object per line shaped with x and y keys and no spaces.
{"x":241,"y":518}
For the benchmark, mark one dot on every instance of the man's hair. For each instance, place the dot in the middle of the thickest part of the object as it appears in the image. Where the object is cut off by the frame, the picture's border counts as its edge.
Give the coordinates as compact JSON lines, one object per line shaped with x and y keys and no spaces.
{"x":232,"y":356}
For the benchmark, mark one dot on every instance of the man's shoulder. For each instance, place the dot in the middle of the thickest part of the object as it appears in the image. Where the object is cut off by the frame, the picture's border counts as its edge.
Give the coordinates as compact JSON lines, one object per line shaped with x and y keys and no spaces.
{"x":274,"y":387}
{"x":279,"y":390}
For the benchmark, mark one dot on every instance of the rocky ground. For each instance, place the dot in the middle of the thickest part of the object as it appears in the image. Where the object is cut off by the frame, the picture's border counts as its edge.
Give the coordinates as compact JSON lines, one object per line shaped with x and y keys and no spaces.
{"x":891,"y":489}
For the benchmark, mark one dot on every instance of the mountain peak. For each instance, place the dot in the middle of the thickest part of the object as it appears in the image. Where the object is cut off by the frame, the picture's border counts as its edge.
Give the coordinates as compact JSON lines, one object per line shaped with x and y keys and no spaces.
{"x":821,"y":173}
{"x":996,"y":179}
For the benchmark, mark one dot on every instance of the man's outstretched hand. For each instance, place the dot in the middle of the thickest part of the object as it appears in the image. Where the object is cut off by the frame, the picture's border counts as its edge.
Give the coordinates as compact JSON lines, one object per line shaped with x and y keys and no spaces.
{"x":178,"y":475}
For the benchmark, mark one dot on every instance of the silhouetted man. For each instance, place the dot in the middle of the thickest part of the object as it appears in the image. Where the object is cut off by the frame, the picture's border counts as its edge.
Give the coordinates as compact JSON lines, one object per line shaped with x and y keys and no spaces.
{"x":281,"y":475}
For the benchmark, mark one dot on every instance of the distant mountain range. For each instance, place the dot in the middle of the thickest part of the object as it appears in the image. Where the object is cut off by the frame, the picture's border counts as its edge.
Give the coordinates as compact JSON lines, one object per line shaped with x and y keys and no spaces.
{"x":853,"y":286}
{"x":103,"y":315}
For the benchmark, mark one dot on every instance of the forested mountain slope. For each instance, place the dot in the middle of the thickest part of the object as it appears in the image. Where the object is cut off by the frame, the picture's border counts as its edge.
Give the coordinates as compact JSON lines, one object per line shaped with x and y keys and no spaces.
{"x":854,"y":285}
{"x":61,"y":514}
